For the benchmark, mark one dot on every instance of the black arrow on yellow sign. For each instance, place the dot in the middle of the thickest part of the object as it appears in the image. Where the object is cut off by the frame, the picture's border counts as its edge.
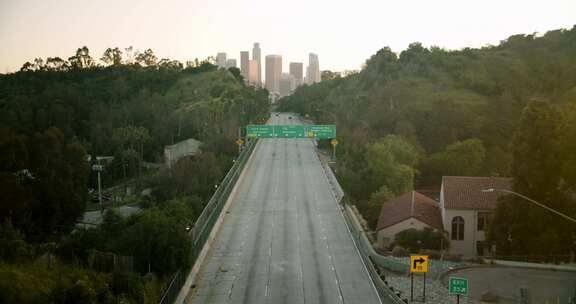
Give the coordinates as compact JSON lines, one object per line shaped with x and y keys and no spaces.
{"x":418,"y":261}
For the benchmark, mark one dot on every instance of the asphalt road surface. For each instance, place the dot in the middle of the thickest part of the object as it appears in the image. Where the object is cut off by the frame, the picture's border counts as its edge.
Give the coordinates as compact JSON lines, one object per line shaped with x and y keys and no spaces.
{"x":284,"y":239}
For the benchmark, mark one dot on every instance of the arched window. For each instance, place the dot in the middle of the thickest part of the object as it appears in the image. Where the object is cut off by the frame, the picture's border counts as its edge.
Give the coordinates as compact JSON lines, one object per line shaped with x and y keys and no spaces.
{"x":457,"y":228}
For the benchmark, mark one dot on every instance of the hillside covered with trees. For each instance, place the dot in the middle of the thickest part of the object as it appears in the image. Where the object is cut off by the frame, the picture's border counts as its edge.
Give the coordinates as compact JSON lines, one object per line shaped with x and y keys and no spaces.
{"x":405,"y":120}
{"x":54,"y":113}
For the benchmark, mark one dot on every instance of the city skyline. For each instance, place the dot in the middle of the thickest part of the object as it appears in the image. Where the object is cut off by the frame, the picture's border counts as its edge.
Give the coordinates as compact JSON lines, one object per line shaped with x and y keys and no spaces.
{"x":181,"y":31}
{"x":295,"y":68}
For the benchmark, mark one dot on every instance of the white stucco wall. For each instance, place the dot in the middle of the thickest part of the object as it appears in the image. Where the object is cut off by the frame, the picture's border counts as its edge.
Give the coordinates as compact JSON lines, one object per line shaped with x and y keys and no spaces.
{"x":466,"y":247}
{"x":386,"y":236}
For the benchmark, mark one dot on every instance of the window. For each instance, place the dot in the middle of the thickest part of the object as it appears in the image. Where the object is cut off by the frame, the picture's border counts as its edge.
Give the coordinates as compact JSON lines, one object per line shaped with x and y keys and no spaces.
{"x":482,"y":221}
{"x":457,"y":228}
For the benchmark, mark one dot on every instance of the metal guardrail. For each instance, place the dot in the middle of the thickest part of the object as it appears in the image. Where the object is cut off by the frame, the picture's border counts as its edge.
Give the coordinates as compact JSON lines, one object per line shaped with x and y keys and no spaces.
{"x":171,"y":292}
{"x":367,"y":253}
{"x":205,"y":222}
{"x":369,"y":256}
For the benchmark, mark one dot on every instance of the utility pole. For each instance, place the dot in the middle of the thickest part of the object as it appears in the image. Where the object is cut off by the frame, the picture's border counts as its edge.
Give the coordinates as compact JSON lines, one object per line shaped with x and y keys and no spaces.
{"x":98,"y":168}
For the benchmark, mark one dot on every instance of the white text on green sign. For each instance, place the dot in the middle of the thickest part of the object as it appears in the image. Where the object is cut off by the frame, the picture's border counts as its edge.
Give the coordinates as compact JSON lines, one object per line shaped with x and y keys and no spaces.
{"x":458,"y":286}
{"x":291,"y":131}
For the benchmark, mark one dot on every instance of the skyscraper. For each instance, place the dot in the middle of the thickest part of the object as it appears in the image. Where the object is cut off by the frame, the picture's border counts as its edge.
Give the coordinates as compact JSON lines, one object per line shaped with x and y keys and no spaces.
{"x":221,"y":60}
{"x":296,"y":70}
{"x":253,"y":72}
{"x":230,"y":63}
{"x":245,"y":64}
{"x":313,"y":70}
{"x":273,"y":72}
{"x":287,"y":84}
{"x":256,"y":56}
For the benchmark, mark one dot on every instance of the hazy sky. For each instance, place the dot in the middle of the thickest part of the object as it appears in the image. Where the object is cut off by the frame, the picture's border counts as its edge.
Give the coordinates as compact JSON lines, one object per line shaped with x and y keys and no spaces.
{"x":343,"y":33}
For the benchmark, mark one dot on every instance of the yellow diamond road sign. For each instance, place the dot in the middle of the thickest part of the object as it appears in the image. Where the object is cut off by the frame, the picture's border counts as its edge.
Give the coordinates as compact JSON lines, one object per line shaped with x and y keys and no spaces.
{"x":334,"y":141}
{"x":418,"y":263}
{"x":239,"y":141}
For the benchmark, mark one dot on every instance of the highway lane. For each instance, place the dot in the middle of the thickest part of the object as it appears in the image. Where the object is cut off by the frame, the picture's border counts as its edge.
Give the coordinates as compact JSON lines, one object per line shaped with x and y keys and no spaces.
{"x":284,"y":239}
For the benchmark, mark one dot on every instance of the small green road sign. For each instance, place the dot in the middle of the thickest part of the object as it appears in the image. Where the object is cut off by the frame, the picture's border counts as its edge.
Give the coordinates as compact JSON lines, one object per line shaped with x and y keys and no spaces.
{"x":321,"y":131}
{"x":458,"y":286}
{"x":290,"y":131}
{"x":260,"y":130}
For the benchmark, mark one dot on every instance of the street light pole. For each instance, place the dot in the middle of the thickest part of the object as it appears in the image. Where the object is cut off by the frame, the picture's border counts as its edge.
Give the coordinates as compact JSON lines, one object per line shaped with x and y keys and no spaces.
{"x":532,"y":201}
{"x":98,"y":168}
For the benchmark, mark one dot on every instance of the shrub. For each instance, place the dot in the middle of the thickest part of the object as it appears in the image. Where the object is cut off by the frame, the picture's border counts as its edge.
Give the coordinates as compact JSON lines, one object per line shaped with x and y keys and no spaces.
{"x":433,"y":254}
{"x":453,"y":258}
{"x":416,"y":240}
{"x":129,"y":285}
{"x":399,"y":252}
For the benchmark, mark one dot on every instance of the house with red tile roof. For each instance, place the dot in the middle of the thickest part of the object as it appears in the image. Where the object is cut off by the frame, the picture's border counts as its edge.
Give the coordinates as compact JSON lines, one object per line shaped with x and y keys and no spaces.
{"x":409,"y":210}
{"x":466,"y":211}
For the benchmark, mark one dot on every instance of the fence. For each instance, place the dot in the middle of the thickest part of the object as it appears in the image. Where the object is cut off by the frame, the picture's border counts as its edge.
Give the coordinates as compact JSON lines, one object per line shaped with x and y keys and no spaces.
{"x":205,"y":222}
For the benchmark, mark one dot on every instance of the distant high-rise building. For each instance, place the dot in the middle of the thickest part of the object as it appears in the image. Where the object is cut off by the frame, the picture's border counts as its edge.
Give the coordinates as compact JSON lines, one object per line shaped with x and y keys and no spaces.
{"x":230,"y":63}
{"x":287,"y":84}
{"x":245,"y":64}
{"x":221,"y":60}
{"x":253,"y":73}
{"x":313,"y":69}
{"x":296,"y":70}
{"x":273,"y":72}
{"x":256,"y":56}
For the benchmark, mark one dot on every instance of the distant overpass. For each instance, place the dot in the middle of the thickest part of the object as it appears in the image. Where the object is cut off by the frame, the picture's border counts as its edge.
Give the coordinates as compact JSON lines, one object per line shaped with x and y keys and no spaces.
{"x":284,"y":239}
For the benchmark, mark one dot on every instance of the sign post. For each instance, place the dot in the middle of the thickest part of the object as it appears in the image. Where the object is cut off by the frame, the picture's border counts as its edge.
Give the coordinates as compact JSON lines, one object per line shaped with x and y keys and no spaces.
{"x":418,"y":263}
{"x":334,"y":143}
{"x":458,"y":287}
{"x":239,"y":142}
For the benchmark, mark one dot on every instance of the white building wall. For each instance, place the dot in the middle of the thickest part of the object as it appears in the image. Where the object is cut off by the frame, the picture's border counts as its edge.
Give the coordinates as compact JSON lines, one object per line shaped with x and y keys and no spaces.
{"x":385,"y":237}
{"x":466,"y":247}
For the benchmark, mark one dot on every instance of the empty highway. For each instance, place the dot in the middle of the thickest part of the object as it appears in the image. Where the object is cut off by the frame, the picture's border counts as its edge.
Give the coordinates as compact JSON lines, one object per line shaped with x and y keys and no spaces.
{"x":283,"y":239}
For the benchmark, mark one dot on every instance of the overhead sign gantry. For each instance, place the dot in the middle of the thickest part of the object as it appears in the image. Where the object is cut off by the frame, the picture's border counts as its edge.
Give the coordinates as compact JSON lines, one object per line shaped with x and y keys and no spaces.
{"x":291,"y":131}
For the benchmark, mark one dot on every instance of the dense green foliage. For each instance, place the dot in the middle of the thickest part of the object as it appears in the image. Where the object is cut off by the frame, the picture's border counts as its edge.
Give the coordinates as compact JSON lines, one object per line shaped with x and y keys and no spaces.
{"x":50,"y":114}
{"x":43,"y":179}
{"x":541,"y":150}
{"x":55,"y":113}
{"x":460,"y":111}
{"x":417,"y":240}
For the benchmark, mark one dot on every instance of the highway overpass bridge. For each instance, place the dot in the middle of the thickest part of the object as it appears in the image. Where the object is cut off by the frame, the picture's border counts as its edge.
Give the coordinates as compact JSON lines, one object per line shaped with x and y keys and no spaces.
{"x":283,"y":239}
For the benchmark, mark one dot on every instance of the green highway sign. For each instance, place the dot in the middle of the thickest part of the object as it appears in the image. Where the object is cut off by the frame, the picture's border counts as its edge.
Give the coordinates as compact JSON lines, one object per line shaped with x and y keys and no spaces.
{"x":260,"y":130}
{"x":321,"y":131}
{"x":291,"y":131}
{"x":458,"y":286}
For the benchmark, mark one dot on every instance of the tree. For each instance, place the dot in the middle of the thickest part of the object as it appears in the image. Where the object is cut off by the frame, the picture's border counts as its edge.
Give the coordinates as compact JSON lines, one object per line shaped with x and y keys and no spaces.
{"x":519,"y":226}
{"x":170,"y":64}
{"x":131,"y":142}
{"x":112,"y":56}
{"x":377,"y":200}
{"x":568,"y":148}
{"x":158,"y":241}
{"x":462,"y":158}
{"x":236,"y":73}
{"x":393,"y":161}
{"x":329,"y":75}
{"x":43,"y":187}
{"x":82,"y":59}
{"x":56,"y":64}
{"x":147,"y":58}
